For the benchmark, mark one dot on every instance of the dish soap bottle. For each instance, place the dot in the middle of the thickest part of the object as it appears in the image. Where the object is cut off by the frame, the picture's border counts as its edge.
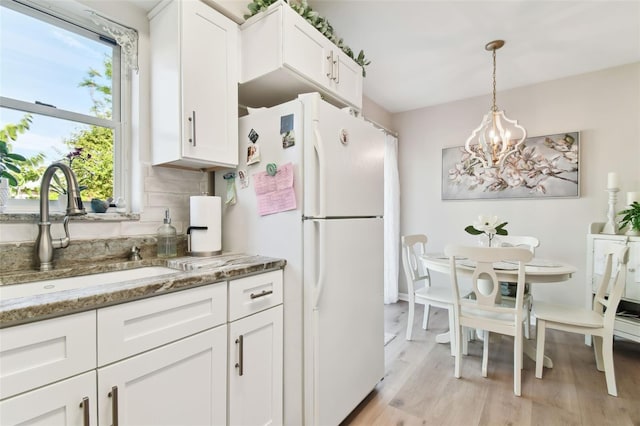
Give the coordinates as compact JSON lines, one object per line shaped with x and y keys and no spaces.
{"x":167,"y":238}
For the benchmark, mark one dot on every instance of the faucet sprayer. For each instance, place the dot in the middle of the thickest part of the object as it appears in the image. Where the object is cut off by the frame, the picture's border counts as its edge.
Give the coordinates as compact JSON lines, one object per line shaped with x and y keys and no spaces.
{"x":44,"y":243}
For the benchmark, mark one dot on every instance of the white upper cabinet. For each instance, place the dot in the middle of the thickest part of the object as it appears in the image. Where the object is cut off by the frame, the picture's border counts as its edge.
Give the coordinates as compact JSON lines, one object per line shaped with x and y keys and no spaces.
{"x":284,"y":55}
{"x":194,"y":86}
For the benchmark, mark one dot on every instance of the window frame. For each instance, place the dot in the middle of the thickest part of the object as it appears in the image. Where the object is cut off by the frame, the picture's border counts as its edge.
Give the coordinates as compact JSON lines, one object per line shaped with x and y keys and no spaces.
{"x":71,"y":19}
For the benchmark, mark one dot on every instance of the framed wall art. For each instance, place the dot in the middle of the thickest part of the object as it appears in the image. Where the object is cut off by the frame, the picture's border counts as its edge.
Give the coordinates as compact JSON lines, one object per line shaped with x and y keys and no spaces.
{"x":543,"y":167}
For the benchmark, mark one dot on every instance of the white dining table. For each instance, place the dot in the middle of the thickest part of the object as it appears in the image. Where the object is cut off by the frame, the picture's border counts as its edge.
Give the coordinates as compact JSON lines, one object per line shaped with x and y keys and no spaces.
{"x":536,"y":271}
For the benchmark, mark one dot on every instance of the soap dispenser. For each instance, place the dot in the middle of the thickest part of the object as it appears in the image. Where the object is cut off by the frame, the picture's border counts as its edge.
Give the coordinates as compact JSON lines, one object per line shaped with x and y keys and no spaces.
{"x":167,"y":238}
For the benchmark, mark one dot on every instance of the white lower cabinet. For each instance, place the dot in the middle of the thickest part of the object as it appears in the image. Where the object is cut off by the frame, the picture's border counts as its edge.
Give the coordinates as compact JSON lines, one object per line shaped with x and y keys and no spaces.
{"x":164,"y":360}
{"x":182,"y":383}
{"x":47,"y":372}
{"x":256,"y":350}
{"x":627,"y":324}
{"x":69,"y":402}
{"x":255,"y":369}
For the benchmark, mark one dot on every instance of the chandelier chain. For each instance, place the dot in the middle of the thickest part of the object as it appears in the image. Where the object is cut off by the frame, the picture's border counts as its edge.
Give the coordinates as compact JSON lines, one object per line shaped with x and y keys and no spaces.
{"x":494,"y":108}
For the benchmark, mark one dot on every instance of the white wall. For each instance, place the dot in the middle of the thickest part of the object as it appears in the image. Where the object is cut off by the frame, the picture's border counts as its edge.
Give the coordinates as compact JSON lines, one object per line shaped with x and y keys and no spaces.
{"x":604,"y":106}
{"x":374,"y":112}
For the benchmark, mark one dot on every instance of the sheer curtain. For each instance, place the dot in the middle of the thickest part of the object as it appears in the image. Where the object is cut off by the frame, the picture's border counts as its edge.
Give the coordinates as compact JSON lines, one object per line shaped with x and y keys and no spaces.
{"x":391,"y":219}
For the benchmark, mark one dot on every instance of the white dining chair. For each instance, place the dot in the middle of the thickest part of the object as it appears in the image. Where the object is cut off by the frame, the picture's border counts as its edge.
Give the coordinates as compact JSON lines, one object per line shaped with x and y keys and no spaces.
{"x":530,"y":243}
{"x":484,"y":310}
{"x":597,"y":321}
{"x":419,"y":285}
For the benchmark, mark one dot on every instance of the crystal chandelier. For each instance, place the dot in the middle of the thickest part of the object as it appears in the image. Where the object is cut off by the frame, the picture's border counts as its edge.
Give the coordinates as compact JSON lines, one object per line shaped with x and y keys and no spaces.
{"x":497,"y":137}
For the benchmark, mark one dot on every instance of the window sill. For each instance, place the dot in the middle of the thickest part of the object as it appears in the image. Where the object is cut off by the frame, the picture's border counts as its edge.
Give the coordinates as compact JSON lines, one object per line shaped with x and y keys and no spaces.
{"x":58,"y":216}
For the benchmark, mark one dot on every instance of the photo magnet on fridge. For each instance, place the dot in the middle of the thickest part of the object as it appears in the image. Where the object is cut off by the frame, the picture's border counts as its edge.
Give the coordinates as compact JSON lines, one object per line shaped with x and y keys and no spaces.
{"x":288,"y":139}
{"x":253,"y":136}
{"x":244,"y":179}
{"x":286,"y":131}
{"x":253,"y":154}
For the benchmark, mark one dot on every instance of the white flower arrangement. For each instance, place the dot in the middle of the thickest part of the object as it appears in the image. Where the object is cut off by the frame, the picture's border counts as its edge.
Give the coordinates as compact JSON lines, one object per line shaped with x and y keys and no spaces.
{"x":489,"y":226}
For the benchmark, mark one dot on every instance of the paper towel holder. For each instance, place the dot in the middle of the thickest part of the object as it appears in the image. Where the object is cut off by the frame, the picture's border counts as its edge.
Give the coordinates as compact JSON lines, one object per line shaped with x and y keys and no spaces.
{"x":199,"y":253}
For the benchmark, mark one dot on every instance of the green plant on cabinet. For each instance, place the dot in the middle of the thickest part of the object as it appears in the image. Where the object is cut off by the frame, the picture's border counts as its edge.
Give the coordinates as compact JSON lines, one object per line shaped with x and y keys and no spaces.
{"x":631,"y":217}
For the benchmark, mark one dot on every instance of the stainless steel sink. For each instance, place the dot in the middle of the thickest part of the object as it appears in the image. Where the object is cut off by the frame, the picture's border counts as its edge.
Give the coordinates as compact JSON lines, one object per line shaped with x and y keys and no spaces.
{"x":70,"y":283}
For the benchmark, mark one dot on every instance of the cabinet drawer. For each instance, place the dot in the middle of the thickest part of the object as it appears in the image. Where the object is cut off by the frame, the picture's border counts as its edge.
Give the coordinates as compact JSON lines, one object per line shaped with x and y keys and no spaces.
{"x":135,"y":327}
{"x":35,"y":354}
{"x":254,"y":294}
{"x":628,"y":327}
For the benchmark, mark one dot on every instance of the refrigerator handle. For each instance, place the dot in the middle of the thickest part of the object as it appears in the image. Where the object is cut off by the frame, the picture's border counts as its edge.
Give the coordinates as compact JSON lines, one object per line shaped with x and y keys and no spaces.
{"x":322,"y":172}
{"x":321,"y":256}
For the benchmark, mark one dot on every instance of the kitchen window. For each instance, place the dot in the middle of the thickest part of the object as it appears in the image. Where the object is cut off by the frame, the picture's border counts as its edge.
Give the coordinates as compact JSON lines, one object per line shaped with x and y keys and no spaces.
{"x":61,"y":89}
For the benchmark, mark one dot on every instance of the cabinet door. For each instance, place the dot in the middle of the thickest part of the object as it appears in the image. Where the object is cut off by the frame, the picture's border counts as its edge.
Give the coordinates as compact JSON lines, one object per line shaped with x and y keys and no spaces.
{"x":305,"y":50}
{"x":66,"y":403}
{"x":209,"y":82}
{"x":632,"y":289}
{"x":183,"y":383}
{"x":347,"y":79}
{"x":255,"y":369}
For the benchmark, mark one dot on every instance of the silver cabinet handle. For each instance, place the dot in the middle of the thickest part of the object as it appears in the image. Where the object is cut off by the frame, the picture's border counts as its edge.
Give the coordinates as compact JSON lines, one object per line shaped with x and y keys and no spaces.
{"x":336,"y":78}
{"x":114,"y":405}
{"x":192,"y":122}
{"x":239,"y":364}
{"x":330,"y":59}
{"x":261,"y":294}
{"x":85,"y":411}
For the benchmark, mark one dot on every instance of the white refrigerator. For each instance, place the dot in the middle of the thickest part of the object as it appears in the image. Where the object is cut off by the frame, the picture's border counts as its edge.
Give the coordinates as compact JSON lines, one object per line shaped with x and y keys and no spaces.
{"x":332,"y":241}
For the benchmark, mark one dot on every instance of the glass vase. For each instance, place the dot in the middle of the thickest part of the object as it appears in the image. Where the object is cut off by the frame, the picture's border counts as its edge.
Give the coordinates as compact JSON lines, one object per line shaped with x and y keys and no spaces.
{"x":486,"y":241}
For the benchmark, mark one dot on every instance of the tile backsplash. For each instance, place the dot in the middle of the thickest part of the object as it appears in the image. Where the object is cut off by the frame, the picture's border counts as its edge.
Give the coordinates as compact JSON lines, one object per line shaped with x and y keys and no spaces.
{"x":162,"y":188}
{"x":20,"y":256}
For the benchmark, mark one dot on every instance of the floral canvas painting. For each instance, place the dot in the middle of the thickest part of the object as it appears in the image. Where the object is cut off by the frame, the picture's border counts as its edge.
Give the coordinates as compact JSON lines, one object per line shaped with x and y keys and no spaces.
{"x":543,"y":167}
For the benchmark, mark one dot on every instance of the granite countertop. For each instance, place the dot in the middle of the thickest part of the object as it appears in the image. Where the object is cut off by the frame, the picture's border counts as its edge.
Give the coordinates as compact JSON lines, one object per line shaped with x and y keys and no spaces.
{"x":190,"y":272}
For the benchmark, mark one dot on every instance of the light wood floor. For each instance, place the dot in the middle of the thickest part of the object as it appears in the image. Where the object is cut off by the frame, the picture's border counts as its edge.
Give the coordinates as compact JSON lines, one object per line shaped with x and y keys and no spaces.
{"x":419,"y":387}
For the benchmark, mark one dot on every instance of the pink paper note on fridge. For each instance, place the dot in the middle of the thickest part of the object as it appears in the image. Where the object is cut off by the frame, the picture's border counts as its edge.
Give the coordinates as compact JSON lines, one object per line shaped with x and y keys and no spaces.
{"x":275,"y":193}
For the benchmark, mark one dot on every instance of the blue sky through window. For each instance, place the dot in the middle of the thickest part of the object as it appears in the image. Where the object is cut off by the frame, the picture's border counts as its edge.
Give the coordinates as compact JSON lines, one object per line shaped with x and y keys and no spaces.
{"x":46,"y":63}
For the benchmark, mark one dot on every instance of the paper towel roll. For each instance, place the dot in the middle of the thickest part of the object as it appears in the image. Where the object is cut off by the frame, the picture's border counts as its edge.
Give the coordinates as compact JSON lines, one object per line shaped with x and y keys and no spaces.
{"x":205,"y":211}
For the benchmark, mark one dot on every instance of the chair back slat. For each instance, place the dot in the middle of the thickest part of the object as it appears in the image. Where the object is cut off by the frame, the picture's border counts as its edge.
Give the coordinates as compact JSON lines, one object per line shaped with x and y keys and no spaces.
{"x":412,"y":247}
{"x":525,"y":241}
{"x":611,"y":282}
{"x":484,"y":281}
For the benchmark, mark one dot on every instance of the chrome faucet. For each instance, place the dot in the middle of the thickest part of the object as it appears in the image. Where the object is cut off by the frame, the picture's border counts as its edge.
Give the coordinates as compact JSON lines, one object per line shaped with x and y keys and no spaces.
{"x":44,"y":243}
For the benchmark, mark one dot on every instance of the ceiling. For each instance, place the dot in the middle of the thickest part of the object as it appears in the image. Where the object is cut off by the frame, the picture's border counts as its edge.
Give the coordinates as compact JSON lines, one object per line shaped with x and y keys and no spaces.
{"x":427,"y":52}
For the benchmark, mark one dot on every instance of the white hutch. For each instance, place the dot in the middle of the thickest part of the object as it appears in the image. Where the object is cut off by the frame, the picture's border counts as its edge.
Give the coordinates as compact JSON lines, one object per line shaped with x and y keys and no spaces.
{"x":627,"y":323}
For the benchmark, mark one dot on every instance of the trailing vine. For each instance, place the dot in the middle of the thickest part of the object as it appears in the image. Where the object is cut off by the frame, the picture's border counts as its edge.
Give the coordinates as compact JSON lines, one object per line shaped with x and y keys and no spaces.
{"x":319,"y":22}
